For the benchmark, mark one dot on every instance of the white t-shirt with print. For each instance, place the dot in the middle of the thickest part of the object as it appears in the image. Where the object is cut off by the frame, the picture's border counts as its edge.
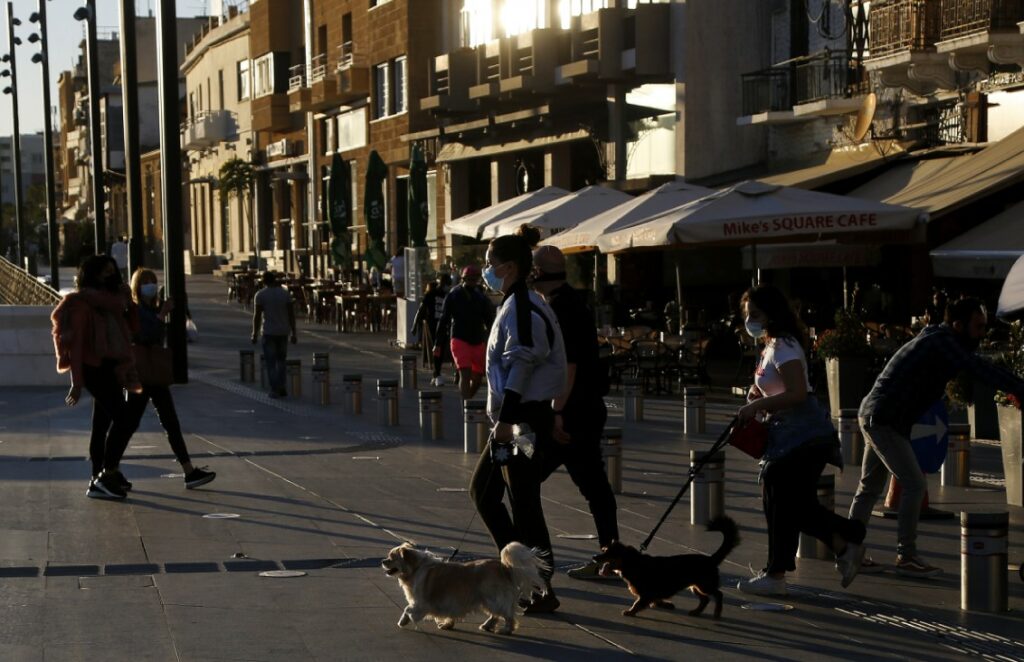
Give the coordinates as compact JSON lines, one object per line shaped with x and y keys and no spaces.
{"x":776,"y":352}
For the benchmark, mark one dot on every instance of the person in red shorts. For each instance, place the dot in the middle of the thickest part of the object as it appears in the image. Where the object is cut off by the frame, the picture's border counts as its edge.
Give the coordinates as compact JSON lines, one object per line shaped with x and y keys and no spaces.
{"x":466,"y":319}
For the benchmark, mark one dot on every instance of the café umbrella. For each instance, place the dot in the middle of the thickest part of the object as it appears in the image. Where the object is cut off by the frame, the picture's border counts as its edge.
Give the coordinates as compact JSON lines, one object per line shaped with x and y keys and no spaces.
{"x":339,"y":208}
{"x":1011,"y":298}
{"x":373,"y":210}
{"x":564,"y":212}
{"x":474,"y":223}
{"x":418,"y":213}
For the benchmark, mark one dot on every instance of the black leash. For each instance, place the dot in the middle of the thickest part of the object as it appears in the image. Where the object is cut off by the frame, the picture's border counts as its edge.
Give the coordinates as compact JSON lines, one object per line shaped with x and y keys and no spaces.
{"x":694,"y":470}
{"x":487,"y":485}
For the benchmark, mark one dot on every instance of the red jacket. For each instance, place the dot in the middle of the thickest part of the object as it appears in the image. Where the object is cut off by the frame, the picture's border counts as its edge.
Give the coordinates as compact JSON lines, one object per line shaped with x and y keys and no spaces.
{"x":83,"y":324}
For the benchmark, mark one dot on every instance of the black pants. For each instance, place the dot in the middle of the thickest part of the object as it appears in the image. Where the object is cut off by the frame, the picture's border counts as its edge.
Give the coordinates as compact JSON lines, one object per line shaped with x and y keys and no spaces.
{"x":583,"y":461}
{"x":111,"y":426}
{"x":164,"y":405}
{"x":523,"y":477}
{"x":789,"y":492}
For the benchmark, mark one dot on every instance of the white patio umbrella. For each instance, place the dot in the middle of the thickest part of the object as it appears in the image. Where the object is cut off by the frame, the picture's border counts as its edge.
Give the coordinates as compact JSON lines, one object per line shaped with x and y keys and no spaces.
{"x":474,"y":223}
{"x":561,"y":213}
{"x":1011,"y":298}
{"x":583,"y":237}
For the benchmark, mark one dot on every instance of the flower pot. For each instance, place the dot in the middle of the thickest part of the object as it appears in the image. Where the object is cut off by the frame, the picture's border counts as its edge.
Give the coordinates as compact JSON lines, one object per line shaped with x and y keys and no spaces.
{"x":847,"y":383}
{"x":1010,"y":430}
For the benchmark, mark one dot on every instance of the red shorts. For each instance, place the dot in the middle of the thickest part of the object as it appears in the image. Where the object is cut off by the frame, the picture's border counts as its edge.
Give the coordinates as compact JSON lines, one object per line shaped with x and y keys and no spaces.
{"x":468,"y":357}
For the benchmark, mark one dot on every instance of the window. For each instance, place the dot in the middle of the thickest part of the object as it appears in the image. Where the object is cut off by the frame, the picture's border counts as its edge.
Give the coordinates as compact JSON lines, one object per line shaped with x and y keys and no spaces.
{"x":244,"y":81}
{"x":220,"y":87}
{"x":327,"y":136}
{"x":264,"y":76}
{"x":378,"y":3}
{"x":389,"y":85}
{"x":381,"y":101}
{"x":398,"y":80}
{"x":352,"y":129}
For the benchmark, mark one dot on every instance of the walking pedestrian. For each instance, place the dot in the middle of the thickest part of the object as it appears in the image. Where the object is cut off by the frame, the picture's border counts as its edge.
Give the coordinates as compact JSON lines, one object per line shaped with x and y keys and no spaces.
{"x":92,"y":340}
{"x":152,"y":332}
{"x":525,"y":370}
{"x":274,"y":312}
{"x":427,"y":317}
{"x":580,"y":412}
{"x":466,"y":318}
{"x":801,"y":442}
{"x":396,"y":265}
{"x":911,"y":382}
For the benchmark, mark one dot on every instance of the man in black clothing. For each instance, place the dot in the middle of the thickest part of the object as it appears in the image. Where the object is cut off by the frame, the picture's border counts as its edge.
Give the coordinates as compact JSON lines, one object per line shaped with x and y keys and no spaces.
{"x":466,"y":318}
{"x":580,"y":413}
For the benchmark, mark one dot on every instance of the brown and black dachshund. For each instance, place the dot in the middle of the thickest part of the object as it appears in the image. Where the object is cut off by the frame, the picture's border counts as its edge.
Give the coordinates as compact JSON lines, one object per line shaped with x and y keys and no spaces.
{"x":655,"y":579}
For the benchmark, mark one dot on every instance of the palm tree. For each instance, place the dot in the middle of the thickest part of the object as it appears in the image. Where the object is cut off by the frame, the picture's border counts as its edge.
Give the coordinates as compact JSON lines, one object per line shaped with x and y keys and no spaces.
{"x":236,"y":178}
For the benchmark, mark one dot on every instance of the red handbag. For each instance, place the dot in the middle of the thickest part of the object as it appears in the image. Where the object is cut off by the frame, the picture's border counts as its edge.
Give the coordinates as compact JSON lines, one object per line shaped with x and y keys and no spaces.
{"x":750,"y":437}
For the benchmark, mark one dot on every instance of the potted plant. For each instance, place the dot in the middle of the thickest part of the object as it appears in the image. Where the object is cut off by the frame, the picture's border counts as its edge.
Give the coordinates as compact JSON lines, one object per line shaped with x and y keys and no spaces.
{"x":848,"y":358}
{"x":1010,"y":428}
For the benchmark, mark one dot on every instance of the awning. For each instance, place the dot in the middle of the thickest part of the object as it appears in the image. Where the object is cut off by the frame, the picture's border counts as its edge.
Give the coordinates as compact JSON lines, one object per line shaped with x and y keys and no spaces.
{"x":459,"y":152}
{"x":473,"y":224}
{"x":940,"y":188}
{"x":822,"y":254}
{"x":565,"y":212}
{"x":986,"y":251}
{"x":828,"y":167}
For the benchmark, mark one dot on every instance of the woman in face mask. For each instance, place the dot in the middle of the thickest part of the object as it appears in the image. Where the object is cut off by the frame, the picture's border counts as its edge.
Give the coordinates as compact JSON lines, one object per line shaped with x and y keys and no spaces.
{"x":801,"y":442}
{"x":152,"y":331}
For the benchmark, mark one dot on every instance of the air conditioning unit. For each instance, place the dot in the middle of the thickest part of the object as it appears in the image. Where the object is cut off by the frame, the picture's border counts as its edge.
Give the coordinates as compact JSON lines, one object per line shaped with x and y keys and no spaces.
{"x":280,"y":148}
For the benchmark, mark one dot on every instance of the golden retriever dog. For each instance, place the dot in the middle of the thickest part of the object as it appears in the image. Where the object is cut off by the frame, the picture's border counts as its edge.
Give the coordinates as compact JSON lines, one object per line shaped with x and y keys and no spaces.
{"x":446,"y":591}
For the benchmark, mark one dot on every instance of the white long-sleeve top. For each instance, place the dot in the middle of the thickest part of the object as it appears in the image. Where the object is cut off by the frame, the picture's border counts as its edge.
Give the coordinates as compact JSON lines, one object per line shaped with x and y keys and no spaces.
{"x":531,"y":363}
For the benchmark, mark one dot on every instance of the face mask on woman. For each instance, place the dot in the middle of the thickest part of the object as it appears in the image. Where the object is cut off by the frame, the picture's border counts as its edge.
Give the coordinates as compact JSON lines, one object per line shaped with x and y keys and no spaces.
{"x":754,"y":329}
{"x":149,"y":290}
{"x":492,"y":279}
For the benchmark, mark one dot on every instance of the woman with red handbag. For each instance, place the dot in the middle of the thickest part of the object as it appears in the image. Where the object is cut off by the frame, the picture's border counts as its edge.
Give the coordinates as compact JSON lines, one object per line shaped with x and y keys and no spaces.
{"x":801,"y":441}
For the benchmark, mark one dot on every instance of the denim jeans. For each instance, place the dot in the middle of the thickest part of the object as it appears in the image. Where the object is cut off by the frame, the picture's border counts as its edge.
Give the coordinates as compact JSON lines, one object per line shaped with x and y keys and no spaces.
{"x":885,"y":451}
{"x":275,"y":352}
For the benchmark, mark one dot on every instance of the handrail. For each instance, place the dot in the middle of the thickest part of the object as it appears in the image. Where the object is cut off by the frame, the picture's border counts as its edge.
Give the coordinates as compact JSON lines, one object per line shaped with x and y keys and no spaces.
{"x":19,"y":288}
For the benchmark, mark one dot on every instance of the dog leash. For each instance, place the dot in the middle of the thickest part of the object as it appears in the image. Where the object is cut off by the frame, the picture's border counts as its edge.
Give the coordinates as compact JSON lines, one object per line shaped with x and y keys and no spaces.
{"x":694,"y":470}
{"x":487,"y":485}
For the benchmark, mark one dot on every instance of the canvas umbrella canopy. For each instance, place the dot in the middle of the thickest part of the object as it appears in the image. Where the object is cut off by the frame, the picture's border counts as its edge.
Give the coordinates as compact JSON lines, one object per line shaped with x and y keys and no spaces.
{"x":753,"y":212}
{"x":561,"y":213}
{"x":418,"y":210}
{"x":583,"y":237}
{"x":373,"y":209}
{"x":339,"y":212}
{"x":474,"y":223}
{"x":1011,"y":298}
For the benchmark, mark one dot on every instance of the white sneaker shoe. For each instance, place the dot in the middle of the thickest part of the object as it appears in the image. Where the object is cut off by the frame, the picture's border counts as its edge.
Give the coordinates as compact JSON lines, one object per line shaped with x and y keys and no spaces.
{"x":439,"y":380}
{"x":848,"y":564}
{"x":763,"y":585}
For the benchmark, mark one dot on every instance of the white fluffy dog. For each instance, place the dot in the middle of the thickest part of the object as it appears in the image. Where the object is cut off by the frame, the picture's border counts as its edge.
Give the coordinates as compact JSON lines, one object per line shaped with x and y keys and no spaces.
{"x":446,"y":591}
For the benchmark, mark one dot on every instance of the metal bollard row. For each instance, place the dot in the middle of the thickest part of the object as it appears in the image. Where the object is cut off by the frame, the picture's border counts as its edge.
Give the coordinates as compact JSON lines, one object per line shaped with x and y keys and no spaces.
{"x":408,"y":375}
{"x":983,"y":552}
{"x":632,"y":399}
{"x":694,"y":410}
{"x":431,"y":415}
{"x":247,"y":365}
{"x":611,"y":453}
{"x":352,"y":387}
{"x":956,"y":470}
{"x":851,"y":438}
{"x":322,"y":376}
{"x":294,"y":372}
{"x":707,"y":493}
{"x":387,"y":402}
{"x":476,"y":426}
{"x":810,"y":547}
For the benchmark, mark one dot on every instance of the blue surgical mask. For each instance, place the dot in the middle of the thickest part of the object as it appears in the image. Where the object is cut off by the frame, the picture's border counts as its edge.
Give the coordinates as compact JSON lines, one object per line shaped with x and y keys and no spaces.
{"x":149,"y":290}
{"x":754,"y":329}
{"x":493,"y":280}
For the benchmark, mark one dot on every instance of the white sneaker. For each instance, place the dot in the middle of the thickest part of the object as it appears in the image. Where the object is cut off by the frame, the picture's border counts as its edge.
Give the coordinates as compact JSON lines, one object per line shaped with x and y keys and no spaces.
{"x":848,"y":564}
{"x":763,"y":585}
{"x":439,"y":380}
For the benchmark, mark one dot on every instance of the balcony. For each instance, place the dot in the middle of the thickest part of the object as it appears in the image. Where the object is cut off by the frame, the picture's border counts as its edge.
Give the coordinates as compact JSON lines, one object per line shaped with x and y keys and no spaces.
{"x":450,"y":79}
{"x":271,"y":112}
{"x":976,"y":33}
{"x":903,"y":37}
{"x":802,"y":89}
{"x":352,"y":75}
{"x":532,"y":59}
{"x":207,"y":129}
{"x":298,"y":93}
{"x":489,"y":69}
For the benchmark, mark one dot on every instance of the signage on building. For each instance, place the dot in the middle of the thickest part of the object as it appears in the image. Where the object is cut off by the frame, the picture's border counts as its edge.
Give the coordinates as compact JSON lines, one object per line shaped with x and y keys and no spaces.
{"x":280,"y":148}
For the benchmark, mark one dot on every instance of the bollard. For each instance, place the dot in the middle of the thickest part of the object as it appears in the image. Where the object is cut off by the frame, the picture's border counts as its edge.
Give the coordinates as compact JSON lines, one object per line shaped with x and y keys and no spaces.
{"x":632,"y":399}
{"x":294,"y":371}
{"x":611,"y":453}
{"x":387,"y":402}
{"x":352,"y":386}
{"x":851,"y":438}
{"x":694,"y":403}
{"x":983,"y":550}
{"x":263,"y":372}
{"x":810,"y":547}
{"x":475,"y":427}
{"x":431,"y":415}
{"x":956,"y":470}
{"x":322,"y":376}
{"x":246,"y":364}
{"x":408,"y":372}
{"x":707,"y":493}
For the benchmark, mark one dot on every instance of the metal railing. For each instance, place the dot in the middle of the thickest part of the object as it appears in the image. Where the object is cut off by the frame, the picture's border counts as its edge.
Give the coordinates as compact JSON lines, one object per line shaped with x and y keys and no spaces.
{"x":799,"y":81}
{"x":964,"y":17}
{"x":346,"y":56}
{"x":19,"y":288}
{"x":318,"y":68}
{"x":296,"y":77}
{"x":904,"y":25}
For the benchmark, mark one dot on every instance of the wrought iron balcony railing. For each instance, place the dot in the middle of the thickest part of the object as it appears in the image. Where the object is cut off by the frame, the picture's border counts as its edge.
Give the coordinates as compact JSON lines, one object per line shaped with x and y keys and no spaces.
{"x":904,"y":25}
{"x":965,"y":17}
{"x":799,"y":81}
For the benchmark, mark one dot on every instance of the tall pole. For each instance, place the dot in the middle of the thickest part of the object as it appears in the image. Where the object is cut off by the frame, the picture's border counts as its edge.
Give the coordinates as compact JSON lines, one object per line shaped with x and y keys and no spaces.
{"x":130,"y":110}
{"x":170,"y":181}
{"x":15,"y":136}
{"x":92,"y":54}
{"x":51,"y":194}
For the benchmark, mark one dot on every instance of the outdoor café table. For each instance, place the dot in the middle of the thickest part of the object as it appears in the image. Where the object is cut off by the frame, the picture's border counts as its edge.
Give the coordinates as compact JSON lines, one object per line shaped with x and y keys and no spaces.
{"x":323,"y":293}
{"x":377,"y":305}
{"x":346,"y":301}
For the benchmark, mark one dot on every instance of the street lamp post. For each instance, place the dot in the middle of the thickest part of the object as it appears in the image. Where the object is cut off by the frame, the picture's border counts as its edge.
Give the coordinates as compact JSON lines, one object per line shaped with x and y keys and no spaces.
{"x":10,"y":59}
{"x":130,"y":110}
{"x":51,"y":195}
{"x":92,"y":55}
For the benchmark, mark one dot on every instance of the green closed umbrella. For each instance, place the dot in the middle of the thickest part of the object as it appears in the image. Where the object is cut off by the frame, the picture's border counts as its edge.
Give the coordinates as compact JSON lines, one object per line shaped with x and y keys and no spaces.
{"x":373,"y":203}
{"x":419,"y":213}
{"x":339,"y":208}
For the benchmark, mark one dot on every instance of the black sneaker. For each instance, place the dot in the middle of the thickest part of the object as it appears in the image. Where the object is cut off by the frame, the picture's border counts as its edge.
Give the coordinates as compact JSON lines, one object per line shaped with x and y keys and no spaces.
{"x":198,"y":477}
{"x":94,"y":492}
{"x":107,"y":486}
{"x":118,"y":476}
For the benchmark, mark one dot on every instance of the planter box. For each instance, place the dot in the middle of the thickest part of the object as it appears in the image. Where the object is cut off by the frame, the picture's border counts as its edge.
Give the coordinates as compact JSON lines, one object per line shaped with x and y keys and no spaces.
{"x":982,"y":414}
{"x":848,"y":383}
{"x":1010,"y":442}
